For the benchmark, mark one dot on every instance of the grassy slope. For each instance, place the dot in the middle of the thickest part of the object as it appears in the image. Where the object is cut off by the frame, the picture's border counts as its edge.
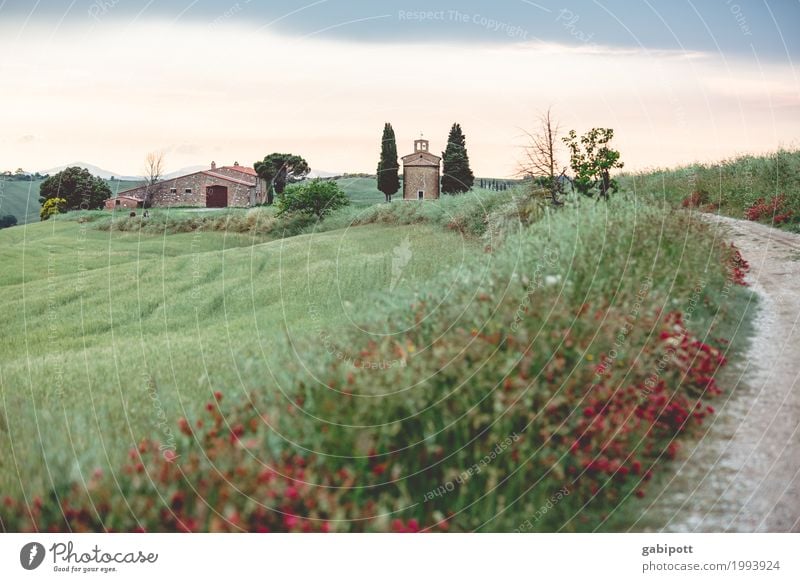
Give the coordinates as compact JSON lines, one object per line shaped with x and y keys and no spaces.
{"x":362,"y":191}
{"x":102,"y":356}
{"x":22,"y":198}
{"x":732,"y":185}
{"x":90,"y":319}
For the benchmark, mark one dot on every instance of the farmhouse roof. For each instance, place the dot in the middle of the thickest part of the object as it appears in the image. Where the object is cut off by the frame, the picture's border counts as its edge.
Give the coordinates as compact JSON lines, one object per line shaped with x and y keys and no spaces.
{"x":228,"y":178}
{"x":243,"y":169}
{"x":129,"y":197}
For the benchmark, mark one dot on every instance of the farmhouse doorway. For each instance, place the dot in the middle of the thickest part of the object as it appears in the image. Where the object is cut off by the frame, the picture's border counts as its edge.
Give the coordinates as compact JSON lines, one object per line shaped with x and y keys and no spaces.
{"x":217,"y":196}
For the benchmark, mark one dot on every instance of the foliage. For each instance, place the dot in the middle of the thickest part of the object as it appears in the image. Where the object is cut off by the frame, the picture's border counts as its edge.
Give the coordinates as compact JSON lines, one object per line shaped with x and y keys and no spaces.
{"x":457,"y":176}
{"x":8,"y":220}
{"x":51,"y":207}
{"x":775,"y":211}
{"x":696,"y":199}
{"x":592,"y":159}
{"x":79,"y":189}
{"x":278,"y":169}
{"x":734,"y":186}
{"x":316,"y":197}
{"x":388,"y":180}
{"x":737,"y":266}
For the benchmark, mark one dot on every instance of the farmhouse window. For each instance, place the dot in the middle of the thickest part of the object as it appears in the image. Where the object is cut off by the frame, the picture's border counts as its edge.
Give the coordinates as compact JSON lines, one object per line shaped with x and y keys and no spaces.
{"x":187,"y":191}
{"x":173,"y":190}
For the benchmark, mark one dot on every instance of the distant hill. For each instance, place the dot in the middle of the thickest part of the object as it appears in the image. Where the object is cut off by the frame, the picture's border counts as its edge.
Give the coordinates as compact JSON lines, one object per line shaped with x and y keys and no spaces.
{"x":21,"y":197}
{"x":323,"y":174}
{"x":107,"y":174}
{"x":184,"y":171}
{"x":94,"y":170}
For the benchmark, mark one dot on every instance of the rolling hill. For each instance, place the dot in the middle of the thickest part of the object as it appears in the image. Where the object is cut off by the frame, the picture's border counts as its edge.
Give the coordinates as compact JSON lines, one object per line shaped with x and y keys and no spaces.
{"x":21,"y":198}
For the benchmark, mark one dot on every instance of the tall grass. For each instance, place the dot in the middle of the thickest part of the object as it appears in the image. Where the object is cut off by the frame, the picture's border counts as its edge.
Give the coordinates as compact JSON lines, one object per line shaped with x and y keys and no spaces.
{"x":732,"y":186}
{"x":110,"y":337}
{"x":368,"y":416}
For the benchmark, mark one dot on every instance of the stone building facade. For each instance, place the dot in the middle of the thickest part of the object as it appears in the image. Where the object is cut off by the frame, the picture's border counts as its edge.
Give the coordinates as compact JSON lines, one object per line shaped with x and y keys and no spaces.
{"x":213,"y":188}
{"x":122,"y":201}
{"x":421,"y":173}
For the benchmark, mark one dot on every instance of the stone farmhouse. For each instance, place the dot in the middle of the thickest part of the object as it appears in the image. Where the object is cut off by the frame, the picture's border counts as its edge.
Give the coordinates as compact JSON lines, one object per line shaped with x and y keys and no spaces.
{"x":421,"y":173}
{"x":217,"y":187}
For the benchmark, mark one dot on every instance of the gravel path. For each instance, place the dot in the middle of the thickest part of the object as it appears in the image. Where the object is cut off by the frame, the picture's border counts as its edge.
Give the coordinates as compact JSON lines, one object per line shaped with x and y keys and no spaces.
{"x":744,"y":475}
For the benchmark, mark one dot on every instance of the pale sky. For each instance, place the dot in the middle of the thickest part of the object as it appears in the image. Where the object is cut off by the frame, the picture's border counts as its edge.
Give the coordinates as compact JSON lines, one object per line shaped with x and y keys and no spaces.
{"x":106,"y":82}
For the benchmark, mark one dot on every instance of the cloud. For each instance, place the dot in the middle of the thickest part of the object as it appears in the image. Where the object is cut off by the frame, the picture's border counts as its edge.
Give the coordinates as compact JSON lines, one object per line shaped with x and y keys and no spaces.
{"x":327,"y":99}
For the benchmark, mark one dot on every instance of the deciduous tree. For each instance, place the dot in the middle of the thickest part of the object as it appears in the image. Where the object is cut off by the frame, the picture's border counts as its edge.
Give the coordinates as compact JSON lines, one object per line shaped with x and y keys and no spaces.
{"x":79,"y":189}
{"x":153,"y":172}
{"x":278,"y":169}
{"x":541,"y":157}
{"x":592,"y":158}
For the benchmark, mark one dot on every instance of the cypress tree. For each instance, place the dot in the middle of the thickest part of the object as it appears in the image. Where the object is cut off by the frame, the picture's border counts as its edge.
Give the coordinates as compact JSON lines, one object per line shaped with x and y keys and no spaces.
{"x":388,"y":182}
{"x":457,"y":176}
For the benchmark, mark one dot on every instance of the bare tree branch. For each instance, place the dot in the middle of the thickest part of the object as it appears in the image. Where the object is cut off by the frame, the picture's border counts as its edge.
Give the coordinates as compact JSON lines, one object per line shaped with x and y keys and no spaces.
{"x":153,"y":171}
{"x":541,"y":156}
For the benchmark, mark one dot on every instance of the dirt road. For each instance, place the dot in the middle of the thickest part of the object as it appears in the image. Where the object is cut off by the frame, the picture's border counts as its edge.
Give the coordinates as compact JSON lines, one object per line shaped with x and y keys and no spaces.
{"x":744,"y":475}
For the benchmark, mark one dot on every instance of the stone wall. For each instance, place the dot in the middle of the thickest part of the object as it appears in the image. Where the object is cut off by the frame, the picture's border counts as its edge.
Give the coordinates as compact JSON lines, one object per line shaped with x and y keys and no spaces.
{"x":174,"y":192}
{"x":113,"y":203}
{"x":425,"y":178}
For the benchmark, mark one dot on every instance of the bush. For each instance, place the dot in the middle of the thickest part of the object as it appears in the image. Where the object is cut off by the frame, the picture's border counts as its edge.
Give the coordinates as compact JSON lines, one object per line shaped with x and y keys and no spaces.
{"x":314,"y":198}
{"x":775,"y":211}
{"x":696,"y":199}
{"x":51,"y":207}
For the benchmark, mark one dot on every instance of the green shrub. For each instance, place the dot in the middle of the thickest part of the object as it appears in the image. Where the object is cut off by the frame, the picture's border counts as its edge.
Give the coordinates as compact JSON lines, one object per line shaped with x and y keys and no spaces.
{"x":731,"y":186}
